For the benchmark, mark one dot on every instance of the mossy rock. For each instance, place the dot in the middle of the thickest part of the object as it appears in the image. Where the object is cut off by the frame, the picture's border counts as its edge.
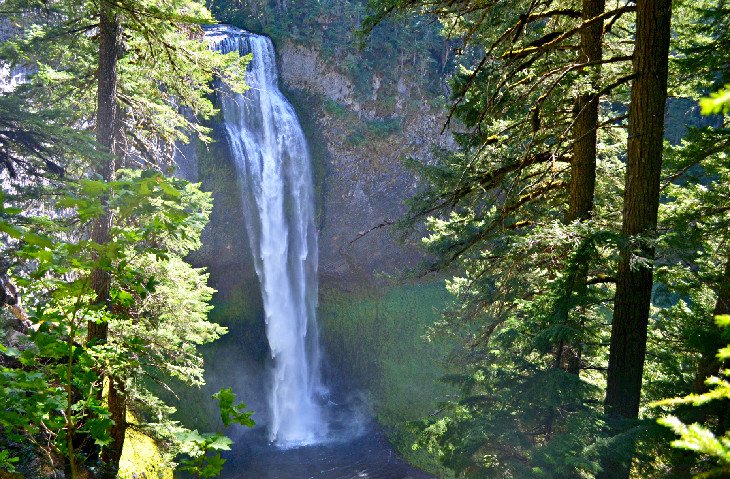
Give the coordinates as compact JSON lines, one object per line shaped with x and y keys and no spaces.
{"x":141,"y":456}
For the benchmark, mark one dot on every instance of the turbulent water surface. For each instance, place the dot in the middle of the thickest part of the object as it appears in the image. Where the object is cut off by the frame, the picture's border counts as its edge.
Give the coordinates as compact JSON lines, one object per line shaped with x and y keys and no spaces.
{"x":368,"y":456}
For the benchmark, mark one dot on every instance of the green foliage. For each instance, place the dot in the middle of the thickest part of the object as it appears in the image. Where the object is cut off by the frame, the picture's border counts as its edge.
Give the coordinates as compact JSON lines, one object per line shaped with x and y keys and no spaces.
{"x":511,"y":388}
{"x":157,"y":318}
{"x":384,"y":127}
{"x":38,"y":141}
{"x":203,"y":450}
{"x":362,"y":130}
{"x":533,"y":287}
{"x":527,"y":317}
{"x":718,"y":102}
{"x":230,"y":412}
{"x":334,"y":108}
{"x":204,"y":460}
{"x":7,"y":463}
{"x":156,"y":312}
{"x":699,"y":438}
{"x":165,"y":75}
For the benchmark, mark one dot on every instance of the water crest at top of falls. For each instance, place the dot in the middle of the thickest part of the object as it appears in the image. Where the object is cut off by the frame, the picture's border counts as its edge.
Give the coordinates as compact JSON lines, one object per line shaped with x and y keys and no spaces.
{"x":275,"y":176}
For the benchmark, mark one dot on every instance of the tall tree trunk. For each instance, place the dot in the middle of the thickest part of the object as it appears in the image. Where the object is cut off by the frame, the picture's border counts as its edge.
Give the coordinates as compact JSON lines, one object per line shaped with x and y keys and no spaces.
{"x":585,"y":129}
{"x":117,"y":401}
{"x":107,"y":132}
{"x":582,"y":187}
{"x":641,"y":205}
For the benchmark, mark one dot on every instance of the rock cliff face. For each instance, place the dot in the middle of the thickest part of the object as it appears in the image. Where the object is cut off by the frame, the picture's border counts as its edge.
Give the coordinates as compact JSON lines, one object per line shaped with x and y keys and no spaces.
{"x":358,"y":141}
{"x":358,"y":133}
{"x":9,"y":77}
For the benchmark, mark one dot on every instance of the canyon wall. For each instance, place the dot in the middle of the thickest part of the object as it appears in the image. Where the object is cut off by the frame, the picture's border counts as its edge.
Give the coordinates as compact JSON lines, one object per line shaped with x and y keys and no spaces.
{"x":359,"y":141}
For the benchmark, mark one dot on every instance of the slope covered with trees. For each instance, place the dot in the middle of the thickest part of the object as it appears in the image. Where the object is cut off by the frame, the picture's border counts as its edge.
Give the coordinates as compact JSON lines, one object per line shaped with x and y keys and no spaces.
{"x":560,"y":314}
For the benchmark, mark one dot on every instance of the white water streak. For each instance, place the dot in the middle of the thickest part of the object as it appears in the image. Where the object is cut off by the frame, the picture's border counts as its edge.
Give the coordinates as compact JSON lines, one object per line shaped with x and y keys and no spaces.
{"x":273,"y":164}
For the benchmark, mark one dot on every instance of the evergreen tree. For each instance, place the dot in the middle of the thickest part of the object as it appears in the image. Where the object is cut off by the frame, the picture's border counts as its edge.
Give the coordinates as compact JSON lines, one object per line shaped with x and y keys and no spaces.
{"x":128,"y":69}
{"x":534,"y":291}
{"x":693,"y":229}
{"x":641,"y":206}
{"x":516,"y":212}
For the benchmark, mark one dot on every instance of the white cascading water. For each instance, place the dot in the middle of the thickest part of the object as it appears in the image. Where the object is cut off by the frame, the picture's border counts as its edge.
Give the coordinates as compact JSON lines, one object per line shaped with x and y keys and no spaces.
{"x":270,"y":151}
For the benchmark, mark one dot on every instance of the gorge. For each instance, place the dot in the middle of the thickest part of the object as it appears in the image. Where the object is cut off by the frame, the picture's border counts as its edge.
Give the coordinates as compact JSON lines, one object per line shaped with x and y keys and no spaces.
{"x":380,"y":239}
{"x":302,"y":425}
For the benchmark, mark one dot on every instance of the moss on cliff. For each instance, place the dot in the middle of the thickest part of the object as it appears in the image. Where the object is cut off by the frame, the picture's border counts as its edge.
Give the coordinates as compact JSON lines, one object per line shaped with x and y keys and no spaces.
{"x":376,"y":340}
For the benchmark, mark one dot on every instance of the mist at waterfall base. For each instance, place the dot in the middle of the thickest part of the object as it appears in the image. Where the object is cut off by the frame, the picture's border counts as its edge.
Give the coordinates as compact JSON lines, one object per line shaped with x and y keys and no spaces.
{"x":307,"y":427}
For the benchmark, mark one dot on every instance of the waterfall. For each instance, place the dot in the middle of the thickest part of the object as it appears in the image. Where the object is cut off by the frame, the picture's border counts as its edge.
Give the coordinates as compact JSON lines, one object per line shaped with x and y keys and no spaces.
{"x":275,"y":176}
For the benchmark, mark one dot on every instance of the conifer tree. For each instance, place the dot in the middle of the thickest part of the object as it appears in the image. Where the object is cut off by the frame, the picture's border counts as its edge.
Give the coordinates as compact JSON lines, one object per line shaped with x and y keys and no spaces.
{"x":128,"y":68}
{"x":468,"y":235}
{"x":641,"y":206}
{"x":515,"y":211}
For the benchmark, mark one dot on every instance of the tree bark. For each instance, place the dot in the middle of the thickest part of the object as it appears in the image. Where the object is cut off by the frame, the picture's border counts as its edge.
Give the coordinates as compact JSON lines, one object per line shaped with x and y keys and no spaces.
{"x":582,"y":187}
{"x":585,"y":138}
{"x":107,"y":132}
{"x":117,"y":401}
{"x":107,"y":126}
{"x":640,"y":211}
